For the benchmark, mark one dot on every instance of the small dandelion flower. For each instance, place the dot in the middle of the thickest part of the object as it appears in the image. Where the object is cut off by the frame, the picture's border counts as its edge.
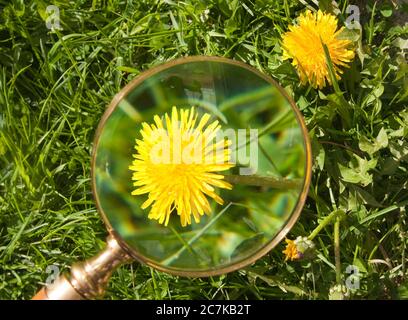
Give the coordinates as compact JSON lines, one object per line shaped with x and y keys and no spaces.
{"x":303,"y":44}
{"x":176,"y":164}
{"x":300,"y":248}
{"x":290,"y":251}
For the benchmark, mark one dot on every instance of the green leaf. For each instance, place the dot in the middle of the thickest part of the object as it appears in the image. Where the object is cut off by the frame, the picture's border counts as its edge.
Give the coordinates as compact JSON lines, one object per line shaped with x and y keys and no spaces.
{"x":342,"y":106}
{"x":357,"y":172}
{"x":372,"y":147}
{"x":399,"y":149}
{"x":386,"y":10}
{"x":389,"y":166}
{"x":326,"y":5}
{"x":320,"y":158}
{"x":367,"y":197}
{"x":360,"y":265}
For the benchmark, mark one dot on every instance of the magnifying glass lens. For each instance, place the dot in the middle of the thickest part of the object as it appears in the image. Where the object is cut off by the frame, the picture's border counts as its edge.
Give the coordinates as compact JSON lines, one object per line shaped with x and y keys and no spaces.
{"x":267,"y":151}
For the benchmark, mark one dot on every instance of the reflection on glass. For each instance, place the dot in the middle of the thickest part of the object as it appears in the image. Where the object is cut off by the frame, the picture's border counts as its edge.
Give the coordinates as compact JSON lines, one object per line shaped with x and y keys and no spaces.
{"x":259,"y":204}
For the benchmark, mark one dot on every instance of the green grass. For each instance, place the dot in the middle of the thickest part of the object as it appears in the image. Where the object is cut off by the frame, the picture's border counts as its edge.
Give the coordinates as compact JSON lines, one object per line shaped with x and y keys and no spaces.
{"x":55,"y":86}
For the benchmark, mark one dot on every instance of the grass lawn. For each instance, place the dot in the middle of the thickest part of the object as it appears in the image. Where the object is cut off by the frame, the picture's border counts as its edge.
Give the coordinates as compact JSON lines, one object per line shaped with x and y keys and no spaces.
{"x":55,"y":86}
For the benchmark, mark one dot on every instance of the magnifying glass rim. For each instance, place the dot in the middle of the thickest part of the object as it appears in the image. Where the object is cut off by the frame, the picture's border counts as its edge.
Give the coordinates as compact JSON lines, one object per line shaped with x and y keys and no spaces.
{"x":260,"y":252}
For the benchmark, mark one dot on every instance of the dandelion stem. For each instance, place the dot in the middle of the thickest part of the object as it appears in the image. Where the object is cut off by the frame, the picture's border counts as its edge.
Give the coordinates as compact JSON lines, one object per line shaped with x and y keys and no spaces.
{"x":337,"y":249}
{"x":325,"y":222}
{"x":342,"y":104}
{"x":262,"y":181}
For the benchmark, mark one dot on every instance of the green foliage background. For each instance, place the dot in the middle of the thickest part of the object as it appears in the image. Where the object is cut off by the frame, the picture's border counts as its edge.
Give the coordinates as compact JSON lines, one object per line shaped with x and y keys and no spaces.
{"x":55,"y":86}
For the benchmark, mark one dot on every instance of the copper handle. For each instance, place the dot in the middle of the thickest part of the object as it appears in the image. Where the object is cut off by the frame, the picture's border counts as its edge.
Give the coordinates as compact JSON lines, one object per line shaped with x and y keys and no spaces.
{"x":88,"y":279}
{"x":61,"y":289}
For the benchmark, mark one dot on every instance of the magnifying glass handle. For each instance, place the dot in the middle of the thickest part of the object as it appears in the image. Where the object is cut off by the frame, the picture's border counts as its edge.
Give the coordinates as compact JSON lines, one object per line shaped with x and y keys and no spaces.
{"x":88,"y":279}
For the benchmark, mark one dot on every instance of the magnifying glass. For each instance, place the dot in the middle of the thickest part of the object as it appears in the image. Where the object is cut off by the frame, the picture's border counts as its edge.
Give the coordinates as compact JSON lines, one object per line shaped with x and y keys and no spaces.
{"x":200,"y":167}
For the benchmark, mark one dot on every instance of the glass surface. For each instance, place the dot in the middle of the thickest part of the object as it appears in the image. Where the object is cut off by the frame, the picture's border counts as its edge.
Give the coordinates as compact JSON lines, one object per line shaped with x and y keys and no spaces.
{"x":258,"y":206}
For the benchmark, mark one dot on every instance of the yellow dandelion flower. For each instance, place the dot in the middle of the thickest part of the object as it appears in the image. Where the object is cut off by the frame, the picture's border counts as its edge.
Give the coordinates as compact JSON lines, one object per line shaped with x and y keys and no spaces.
{"x":175,"y":165}
{"x":303,"y":44}
{"x":290,"y":251}
{"x":298,"y":249}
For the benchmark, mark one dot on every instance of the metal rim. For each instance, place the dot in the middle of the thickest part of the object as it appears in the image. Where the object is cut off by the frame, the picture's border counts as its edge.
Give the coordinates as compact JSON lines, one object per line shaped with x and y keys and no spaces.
{"x":257,"y":254}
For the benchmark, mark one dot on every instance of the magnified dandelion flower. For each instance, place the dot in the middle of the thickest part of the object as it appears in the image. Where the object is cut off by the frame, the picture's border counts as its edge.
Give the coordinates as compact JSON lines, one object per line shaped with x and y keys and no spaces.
{"x":176,"y":164}
{"x":303,"y":44}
